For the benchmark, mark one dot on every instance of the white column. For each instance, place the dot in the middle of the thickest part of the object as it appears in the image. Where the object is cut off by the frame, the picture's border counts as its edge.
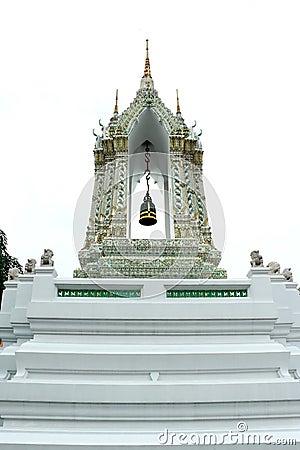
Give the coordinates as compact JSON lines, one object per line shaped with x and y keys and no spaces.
{"x":7,"y":355}
{"x":8,"y":304}
{"x":285,"y":316}
{"x":43,"y":286}
{"x":19,"y":313}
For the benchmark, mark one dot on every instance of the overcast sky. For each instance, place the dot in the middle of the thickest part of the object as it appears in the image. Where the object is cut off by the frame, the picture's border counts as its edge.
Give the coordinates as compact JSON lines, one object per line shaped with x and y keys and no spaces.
{"x":236,"y":65}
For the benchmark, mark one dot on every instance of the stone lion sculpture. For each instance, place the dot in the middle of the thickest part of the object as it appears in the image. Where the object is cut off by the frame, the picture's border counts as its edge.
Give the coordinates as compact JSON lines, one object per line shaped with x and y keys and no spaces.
{"x":274,"y":267}
{"x":287,"y":274}
{"x":13,"y":274}
{"x":256,"y":259}
{"x":30,"y":266}
{"x":46,"y":258}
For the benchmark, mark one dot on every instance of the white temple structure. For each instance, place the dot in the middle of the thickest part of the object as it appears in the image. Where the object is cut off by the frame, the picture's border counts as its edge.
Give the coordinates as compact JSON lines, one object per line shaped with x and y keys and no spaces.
{"x":149,"y":345}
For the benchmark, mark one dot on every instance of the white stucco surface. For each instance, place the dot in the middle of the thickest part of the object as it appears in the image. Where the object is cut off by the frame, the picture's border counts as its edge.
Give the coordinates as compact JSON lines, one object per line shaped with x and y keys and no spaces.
{"x":114,"y":372}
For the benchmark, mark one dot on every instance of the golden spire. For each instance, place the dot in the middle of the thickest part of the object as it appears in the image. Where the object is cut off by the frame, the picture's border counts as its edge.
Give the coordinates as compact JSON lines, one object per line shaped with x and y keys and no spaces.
{"x":178,"y":106}
{"x":116,"y":105}
{"x":146,"y":81}
{"x":147,"y":71}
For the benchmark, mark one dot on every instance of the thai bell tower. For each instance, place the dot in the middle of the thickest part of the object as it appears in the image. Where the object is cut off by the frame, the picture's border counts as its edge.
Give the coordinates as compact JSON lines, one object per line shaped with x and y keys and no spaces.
{"x":140,"y":363}
{"x":180,"y":244}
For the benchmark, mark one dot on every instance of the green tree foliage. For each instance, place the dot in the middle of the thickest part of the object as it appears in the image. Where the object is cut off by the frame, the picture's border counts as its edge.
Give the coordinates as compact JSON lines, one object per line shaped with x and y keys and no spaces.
{"x":6,"y":262}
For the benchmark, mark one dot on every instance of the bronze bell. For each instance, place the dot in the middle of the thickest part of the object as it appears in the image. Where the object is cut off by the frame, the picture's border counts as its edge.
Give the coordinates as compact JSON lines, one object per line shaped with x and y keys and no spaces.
{"x":147,"y":212}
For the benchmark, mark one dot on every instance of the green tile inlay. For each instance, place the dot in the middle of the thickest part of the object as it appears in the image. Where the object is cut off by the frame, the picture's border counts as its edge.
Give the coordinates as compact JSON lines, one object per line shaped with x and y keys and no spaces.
{"x":187,"y":293}
{"x":98,"y":293}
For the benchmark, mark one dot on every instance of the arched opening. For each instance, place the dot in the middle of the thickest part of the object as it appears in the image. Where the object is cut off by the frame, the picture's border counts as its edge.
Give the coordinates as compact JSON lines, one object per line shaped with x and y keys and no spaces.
{"x":149,"y":128}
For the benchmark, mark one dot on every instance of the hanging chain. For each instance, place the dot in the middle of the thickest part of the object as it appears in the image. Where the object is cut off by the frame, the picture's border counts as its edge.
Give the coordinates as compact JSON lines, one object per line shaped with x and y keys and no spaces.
{"x":147,"y":170}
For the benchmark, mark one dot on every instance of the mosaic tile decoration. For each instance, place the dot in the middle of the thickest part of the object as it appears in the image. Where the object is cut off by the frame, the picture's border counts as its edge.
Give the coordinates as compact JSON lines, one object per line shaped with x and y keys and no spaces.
{"x":98,"y":293}
{"x":205,"y":293}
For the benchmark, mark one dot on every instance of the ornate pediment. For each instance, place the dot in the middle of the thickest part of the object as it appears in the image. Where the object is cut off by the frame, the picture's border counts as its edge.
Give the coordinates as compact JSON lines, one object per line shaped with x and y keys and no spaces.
{"x":147,"y":97}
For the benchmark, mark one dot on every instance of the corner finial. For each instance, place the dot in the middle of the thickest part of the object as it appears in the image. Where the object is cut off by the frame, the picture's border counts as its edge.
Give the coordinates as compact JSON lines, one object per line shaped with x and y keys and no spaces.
{"x":116,"y":110}
{"x":178,"y":106}
{"x":147,"y":71}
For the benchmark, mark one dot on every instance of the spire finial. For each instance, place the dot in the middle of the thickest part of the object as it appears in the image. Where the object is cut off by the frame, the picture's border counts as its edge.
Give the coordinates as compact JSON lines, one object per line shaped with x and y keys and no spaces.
{"x":178,"y":106}
{"x":116,"y":110}
{"x":147,"y":71}
{"x":146,"y":81}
